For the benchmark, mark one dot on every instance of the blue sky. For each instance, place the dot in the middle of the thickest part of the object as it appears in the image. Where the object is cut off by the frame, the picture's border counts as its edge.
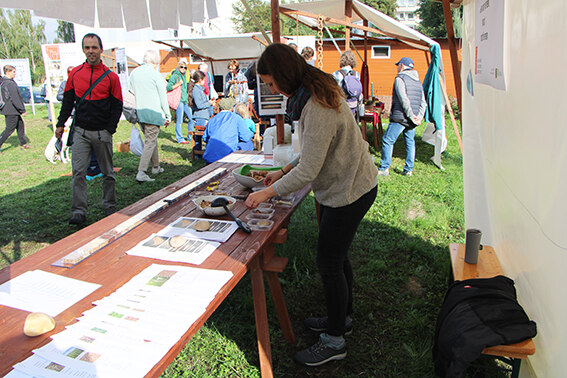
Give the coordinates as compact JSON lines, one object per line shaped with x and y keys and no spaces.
{"x":50,"y":27}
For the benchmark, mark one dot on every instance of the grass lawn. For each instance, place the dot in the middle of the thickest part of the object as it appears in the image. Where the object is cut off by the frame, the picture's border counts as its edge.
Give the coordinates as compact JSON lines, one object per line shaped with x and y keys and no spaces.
{"x":400,"y":257}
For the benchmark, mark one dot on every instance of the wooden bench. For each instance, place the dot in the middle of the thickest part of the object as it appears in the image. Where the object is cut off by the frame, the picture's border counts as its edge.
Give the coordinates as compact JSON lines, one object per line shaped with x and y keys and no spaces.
{"x":488,"y":266}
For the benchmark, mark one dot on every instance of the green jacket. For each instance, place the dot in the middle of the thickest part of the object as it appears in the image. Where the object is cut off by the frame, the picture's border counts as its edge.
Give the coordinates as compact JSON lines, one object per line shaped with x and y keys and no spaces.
{"x":174,"y":79}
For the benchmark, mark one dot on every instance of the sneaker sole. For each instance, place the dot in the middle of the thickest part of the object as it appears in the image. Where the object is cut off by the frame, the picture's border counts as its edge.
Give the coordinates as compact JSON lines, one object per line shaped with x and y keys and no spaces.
{"x":347,"y":333}
{"x":336,"y":357}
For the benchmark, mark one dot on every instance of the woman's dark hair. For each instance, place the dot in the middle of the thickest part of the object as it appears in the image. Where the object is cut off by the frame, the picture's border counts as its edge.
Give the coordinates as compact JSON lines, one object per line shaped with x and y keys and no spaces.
{"x":92,"y":35}
{"x":198,"y":76}
{"x":290,"y":71}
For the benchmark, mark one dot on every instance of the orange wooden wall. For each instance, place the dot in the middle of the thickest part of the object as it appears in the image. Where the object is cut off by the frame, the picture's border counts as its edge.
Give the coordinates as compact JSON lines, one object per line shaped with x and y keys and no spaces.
{"x":382,"y":72}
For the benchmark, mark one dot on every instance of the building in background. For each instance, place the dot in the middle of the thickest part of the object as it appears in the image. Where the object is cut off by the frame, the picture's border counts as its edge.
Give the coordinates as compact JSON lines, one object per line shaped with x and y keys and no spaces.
{"x":406,"y":12}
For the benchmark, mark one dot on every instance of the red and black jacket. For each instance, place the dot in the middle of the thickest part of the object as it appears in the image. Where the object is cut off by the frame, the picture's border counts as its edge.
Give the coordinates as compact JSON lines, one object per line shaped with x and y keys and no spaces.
{"x":101,"y":109}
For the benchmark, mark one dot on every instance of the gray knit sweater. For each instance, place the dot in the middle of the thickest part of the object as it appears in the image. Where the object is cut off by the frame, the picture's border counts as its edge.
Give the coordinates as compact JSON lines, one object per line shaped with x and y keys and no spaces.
{"x":334,"y":157}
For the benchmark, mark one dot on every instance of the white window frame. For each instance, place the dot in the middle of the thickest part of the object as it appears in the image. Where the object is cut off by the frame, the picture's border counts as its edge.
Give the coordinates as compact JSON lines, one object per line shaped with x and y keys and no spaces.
{"x":380,"y":57}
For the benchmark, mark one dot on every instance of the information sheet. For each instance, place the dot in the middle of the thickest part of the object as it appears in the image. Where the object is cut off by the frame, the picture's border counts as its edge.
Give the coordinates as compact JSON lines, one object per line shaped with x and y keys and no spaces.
{"x":39,"y":291}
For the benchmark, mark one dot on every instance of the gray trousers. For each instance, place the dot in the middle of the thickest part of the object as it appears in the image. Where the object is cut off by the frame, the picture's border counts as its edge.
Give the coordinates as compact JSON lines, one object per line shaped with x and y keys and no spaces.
{"x":14,"y":122}
{"x":85,"y":141}
{"x":150,"y":153}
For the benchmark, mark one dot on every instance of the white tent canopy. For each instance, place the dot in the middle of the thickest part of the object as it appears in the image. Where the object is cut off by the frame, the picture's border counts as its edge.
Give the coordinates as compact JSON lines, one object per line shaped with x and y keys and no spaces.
{"x":335,"y":9}
{"x":129,"y":14}
{"x":242,"y":46}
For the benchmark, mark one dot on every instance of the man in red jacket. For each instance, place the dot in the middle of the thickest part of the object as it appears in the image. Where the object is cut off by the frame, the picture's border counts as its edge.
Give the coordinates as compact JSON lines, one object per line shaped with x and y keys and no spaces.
{"x":96,"y":119}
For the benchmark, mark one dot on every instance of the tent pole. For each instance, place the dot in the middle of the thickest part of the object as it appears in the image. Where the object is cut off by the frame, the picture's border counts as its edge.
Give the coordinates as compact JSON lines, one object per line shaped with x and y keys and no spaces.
{"x":348,"y":15}
{"x":333,"y":40}
{"x":247,"y":6}
{"x":276,"y":37}
{"x":453,"y":49}
{"x":450,"y":110}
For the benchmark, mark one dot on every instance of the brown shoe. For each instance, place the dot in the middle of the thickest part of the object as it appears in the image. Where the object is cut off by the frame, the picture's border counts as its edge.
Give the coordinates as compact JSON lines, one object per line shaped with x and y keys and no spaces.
{"x":25,"y":147}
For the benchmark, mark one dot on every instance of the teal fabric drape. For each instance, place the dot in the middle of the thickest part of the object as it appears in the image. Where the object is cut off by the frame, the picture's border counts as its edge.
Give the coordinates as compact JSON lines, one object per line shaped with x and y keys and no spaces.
{"x":432,"y":90}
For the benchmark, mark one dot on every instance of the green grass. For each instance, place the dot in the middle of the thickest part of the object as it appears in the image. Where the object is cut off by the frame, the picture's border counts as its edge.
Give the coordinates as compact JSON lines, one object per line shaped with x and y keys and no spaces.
{"x":400,"y":257}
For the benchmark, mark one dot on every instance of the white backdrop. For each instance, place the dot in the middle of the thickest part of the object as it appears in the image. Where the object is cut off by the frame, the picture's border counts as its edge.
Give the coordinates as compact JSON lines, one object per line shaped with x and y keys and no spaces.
{"x":515,"y":166}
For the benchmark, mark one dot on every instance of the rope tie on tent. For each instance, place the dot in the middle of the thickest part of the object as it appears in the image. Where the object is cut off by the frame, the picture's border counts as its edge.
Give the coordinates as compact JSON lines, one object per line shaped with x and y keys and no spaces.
{"x":320,"y":42}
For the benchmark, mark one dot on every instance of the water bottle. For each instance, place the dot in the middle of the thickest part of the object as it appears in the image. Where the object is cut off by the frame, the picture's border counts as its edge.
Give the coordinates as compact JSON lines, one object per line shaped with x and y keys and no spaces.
{"x":268,"y":145}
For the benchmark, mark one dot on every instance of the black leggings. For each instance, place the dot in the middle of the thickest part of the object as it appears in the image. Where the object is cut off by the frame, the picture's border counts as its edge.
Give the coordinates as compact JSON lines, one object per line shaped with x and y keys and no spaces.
{"x":336,"y":232}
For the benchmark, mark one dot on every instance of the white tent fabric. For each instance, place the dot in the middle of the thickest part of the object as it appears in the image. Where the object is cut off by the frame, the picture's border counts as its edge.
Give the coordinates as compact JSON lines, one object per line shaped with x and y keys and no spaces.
{"x":515,"y":166}
{"x":131,"y":14}
{"x":336,"y":9}
{"x":241,"y":46}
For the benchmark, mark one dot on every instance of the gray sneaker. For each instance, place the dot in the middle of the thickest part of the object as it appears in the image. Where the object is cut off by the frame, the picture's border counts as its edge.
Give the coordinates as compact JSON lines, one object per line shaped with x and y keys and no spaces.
{"x":319,"y":354}
{"x":407,"y":173}
{"x":320,"y":325}
{"x":157,"y":170}
{"x":384,"y":172}
{"x":143,"y":177}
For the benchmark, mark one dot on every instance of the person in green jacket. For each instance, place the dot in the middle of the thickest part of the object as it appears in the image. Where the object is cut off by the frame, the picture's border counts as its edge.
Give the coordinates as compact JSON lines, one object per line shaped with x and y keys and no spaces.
{"x":178,"y":79}
{"x":147,"y":84}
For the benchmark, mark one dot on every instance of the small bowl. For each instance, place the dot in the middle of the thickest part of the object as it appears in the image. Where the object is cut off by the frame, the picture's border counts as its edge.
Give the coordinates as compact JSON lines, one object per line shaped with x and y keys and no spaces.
{"x":260,"y":224}
{"x":258,"y":216}
{"x":213,"y":211}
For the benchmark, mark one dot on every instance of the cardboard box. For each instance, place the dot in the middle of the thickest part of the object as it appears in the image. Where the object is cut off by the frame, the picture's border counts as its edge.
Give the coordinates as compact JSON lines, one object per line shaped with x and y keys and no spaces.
{"x":123,"y":146}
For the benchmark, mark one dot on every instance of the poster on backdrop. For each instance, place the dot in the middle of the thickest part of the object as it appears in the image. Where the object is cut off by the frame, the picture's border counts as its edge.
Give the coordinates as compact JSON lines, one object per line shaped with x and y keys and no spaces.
{"x":57,"y":58}
{"x":489,"y":43}
{"x":23,"y":73}
{"x":122,"y":68}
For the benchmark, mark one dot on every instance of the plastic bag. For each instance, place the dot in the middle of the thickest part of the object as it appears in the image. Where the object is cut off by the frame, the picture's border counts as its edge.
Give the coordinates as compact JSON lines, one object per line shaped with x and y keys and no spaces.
{"x":136,"y":142}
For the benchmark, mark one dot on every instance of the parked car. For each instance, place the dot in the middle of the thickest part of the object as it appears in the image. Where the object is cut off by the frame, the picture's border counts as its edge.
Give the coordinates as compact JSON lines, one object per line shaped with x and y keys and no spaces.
{"x":37,"y":97}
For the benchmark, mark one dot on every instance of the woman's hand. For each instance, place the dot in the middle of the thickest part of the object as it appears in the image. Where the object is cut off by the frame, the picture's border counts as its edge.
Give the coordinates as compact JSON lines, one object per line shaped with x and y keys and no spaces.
{"x":272,"y":177}
{"x":256,"y":198}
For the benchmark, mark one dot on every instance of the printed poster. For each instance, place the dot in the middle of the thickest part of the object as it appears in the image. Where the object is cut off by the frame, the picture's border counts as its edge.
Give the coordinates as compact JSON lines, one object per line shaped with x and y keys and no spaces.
{"x":489,"y":43}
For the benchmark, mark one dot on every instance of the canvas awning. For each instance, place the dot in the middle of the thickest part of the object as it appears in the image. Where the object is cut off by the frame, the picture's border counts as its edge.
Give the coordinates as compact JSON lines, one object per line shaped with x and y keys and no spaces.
{"x":242,"y":46}
{"x":129,"y":14}
{"x":332,"y":10}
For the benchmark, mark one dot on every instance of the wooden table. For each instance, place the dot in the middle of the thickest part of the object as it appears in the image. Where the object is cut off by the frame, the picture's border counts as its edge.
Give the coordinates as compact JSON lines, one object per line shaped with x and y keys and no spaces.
{"x":111,"y":268}
{"x":488,"y":266}
{"x":373,"y":116}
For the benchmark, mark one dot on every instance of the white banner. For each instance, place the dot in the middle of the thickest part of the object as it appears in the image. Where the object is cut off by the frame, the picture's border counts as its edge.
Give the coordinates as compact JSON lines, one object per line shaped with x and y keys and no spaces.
{"x":122,"y":68}
{"x":23,"y":73}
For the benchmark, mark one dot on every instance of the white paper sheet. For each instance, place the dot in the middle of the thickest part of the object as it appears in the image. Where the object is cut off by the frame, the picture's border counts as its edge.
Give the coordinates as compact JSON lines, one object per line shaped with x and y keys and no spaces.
{"x":219,"y":230}
{"x":246,"y":159}
{"x":39,"y":291}
{"x":131,"y":330}
{"x":193,"y":251}
{"x":40,"y":367}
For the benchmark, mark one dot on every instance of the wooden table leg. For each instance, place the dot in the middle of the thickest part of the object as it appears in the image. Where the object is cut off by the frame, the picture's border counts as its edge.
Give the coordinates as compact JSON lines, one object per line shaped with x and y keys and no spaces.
{"x":261,"y":316}
{"x":281,"y":308}
{"x":375,"y":134}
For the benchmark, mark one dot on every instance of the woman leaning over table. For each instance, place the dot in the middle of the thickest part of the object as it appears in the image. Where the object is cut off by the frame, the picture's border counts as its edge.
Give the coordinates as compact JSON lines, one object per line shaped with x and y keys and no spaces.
{"x":335,"y":160}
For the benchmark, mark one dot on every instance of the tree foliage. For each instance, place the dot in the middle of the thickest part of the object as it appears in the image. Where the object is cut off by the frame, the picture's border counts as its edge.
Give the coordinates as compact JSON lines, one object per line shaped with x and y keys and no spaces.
{"x":20,"y":39}
{"x":262,"y":10}
{"x":388,"y":7}
{"x":433,"y":19}
{"x":65,"y":32}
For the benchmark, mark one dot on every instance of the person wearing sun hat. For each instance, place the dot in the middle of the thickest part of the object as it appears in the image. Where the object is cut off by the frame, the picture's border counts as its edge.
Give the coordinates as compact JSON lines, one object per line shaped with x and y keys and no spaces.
{"x":408,"y":109}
